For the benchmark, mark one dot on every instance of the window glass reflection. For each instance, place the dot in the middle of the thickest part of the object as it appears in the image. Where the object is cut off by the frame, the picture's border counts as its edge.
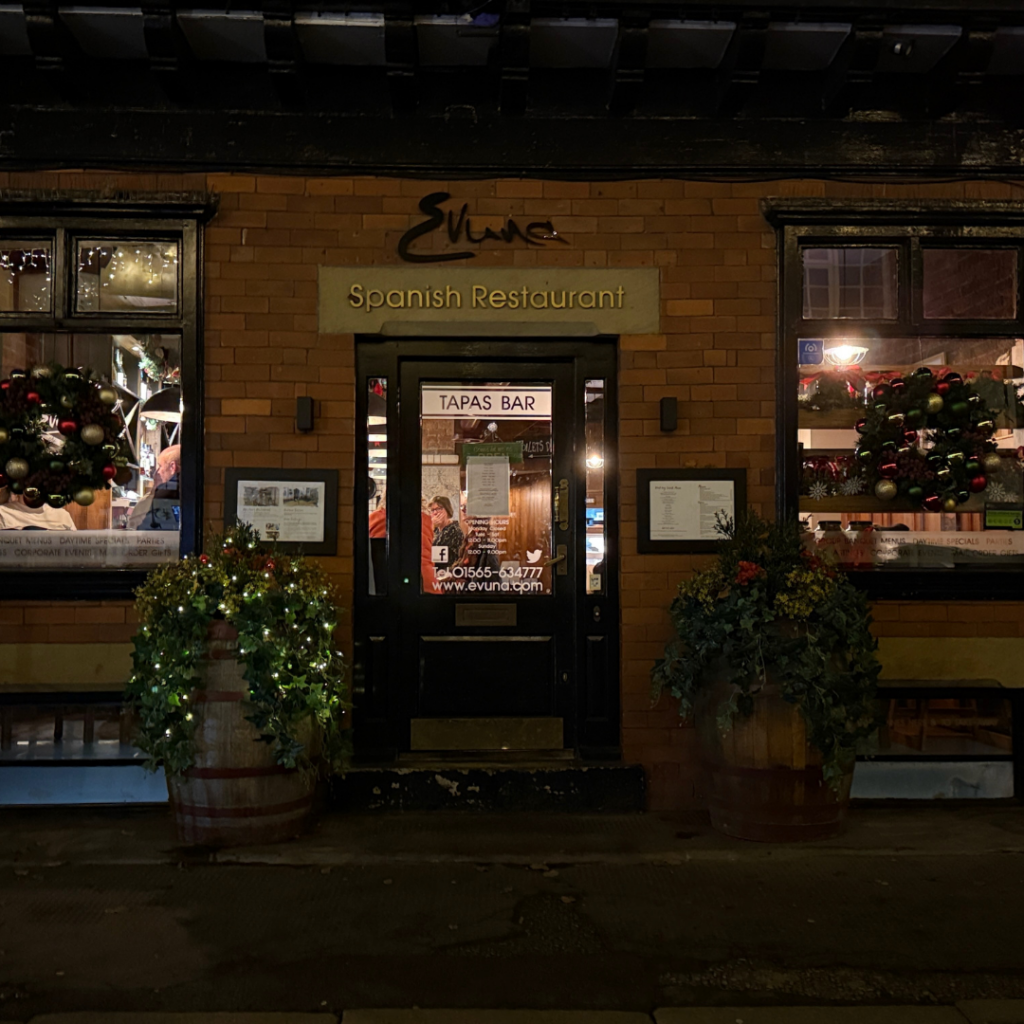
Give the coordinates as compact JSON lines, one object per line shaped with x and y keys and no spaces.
{"x":594,"y":567}
{"x":25,"y":277}
{"x":849,"y":283}
{"x":136,"y":522}
{"x":970,"y":284}
{"x":127,"y":277}
{"x":377,"y":486}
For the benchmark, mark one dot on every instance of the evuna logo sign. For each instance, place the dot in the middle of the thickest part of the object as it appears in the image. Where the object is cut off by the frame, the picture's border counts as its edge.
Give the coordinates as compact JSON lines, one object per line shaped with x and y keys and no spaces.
{"x":536,"y":233}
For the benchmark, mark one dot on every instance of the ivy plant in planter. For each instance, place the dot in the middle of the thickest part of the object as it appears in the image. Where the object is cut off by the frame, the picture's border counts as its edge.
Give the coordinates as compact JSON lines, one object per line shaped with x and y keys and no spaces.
{"x":270,"y":620}
{"x":774,"y":657}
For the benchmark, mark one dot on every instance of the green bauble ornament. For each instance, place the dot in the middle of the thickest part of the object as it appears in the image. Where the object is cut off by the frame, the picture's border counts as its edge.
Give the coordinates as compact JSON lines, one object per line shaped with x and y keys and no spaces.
{"x":933,"y":404}
{"x":972,"y":467}
{"x":914,"y":416}
{"x":956,"y":457}
{"x":959,"y":408}
{"x":915,"y":492}
{"x":84,"y":496}
{"x":56,"y":500}
{"x":72,"y":376}
{"x":56,"y":466}
{"x":962,"y":496}
{"x":110,"y":450}
{"x":865,"y":455}
{"x":16,"y":487}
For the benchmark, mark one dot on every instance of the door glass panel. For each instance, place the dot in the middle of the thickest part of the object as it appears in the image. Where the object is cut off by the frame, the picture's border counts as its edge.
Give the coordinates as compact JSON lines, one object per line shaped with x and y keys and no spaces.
{"x":377,"y":486}
{"x":594,"y":567}
{"x":970,"y":284}
{"x":486,"y":489}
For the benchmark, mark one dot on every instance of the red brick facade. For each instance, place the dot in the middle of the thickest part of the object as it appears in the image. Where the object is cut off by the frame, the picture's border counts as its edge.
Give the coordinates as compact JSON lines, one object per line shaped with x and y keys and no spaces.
{"x":715,"y":353}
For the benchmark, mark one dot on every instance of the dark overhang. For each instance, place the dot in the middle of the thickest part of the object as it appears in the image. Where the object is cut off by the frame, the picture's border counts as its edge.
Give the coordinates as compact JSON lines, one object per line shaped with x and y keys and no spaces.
{"x":535,"y":86}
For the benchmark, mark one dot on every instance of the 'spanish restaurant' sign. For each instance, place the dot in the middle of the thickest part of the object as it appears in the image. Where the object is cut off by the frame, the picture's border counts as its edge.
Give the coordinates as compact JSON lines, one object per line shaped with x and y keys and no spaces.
{"x":370,"y":300}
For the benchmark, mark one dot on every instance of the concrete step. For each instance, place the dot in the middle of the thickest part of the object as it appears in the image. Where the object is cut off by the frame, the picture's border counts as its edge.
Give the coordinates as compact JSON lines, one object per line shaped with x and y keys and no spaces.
{"x":484,"y":785}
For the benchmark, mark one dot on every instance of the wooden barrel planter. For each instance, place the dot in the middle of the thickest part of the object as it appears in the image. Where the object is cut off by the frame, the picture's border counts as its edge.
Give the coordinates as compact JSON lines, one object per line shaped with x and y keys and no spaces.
{"x":235,"y":794}
{"x":764,"y":779}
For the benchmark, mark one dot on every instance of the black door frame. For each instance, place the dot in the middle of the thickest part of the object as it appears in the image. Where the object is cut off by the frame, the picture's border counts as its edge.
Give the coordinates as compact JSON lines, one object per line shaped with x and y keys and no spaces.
{"x":381,"y":713}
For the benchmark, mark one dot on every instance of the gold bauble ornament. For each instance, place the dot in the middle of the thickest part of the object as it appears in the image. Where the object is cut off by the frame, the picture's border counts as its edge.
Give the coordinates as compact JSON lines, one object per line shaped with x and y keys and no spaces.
{"x":4,"y":435}
{"x":16,"y":469}
{"x":42,"y":371}
{"x":108,"y":396}
{"x":92,"y":433}
{"x":933,"y":404}
{"x":885,"y":490}
{"x":84,"y":496}
{"x":949,"y":504}
{"x":66,"y":401}
{"x":991,"y":461}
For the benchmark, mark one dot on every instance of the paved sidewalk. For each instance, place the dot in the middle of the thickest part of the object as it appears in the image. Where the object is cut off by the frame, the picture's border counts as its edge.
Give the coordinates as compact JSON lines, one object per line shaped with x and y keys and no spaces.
{"x":913,"y":917}
{"x":974,"y":1012}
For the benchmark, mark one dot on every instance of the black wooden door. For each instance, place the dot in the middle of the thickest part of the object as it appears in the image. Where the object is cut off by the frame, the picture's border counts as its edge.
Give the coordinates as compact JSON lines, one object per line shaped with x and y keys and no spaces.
{"x":486,"y":476}
{"x":484,"y":586}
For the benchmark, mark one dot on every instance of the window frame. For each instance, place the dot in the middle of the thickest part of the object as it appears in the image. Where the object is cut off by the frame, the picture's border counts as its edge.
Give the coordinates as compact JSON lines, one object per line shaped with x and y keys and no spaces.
{"x":66,"y":218}
{"x":804,"y":223}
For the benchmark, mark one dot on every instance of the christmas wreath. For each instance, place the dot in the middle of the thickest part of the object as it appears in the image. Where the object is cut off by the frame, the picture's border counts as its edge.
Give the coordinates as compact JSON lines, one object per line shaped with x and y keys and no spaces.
{"x":60,"y":440}
{"x":945,"y":410}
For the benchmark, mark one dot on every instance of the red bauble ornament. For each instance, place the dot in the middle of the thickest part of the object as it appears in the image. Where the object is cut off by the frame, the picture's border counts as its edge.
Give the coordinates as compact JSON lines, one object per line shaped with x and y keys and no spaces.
{"x":898,"y":385}
{"x":978,"y":483}
{"x":67,"y":427}
{"x":933,"y":503}
{"x":942,"y":387}
{"x":910,"y":437}
{"x":34,"y":398}
{"x":109,"y":471}
{"x":888,"y":470}
{"x":4,"y":385}
{"x":204,"y":559}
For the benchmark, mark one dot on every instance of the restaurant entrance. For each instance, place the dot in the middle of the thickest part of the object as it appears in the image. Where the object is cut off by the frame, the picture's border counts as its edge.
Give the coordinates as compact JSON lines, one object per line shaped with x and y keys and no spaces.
{"x":486,"y":613}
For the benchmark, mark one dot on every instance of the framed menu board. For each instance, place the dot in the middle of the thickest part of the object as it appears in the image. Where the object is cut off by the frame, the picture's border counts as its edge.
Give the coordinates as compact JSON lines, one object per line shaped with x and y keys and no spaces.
{"x":676,"y":508}
{"x":297,"y":509}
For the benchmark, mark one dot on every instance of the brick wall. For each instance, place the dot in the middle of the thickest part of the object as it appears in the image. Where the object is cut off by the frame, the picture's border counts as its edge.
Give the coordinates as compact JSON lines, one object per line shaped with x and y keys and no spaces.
{"x":715,"y":353}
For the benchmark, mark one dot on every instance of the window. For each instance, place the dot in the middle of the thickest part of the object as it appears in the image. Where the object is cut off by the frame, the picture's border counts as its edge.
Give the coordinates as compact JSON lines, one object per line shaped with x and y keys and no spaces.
{"x":110,"y":287}
{"x":901,"y":431}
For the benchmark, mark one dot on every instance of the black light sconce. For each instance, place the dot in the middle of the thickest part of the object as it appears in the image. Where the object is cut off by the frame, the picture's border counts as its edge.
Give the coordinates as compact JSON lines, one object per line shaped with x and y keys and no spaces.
{"x":669,"y":413}
{"x":304,"y":413}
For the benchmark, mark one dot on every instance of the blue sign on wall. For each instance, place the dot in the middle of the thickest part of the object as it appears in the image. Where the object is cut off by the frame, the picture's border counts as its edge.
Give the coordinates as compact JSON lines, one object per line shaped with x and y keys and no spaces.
{"x":811,"y":351}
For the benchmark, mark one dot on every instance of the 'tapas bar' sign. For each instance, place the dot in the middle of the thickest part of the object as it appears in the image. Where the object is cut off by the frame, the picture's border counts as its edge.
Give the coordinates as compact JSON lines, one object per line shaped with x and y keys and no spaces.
{"x":526,"y":299}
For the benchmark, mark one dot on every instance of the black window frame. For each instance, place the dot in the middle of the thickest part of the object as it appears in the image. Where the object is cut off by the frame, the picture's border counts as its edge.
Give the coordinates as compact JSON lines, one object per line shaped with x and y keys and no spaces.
{"x":66,"y":217}
{"x":911,"y":226}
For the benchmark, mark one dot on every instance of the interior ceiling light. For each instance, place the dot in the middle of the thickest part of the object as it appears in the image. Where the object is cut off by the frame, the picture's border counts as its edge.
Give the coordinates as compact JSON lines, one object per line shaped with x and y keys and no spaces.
{"x":845,"y":355}
{"x":595,"y":461}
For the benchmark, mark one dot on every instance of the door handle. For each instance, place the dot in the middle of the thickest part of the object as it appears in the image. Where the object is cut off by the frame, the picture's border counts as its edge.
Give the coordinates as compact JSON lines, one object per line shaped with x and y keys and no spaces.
{"x":562,"y":504}
{"x":561,"y":557}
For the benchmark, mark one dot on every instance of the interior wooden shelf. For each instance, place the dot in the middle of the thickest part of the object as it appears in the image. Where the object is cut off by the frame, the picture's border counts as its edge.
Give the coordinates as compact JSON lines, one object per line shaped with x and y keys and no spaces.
{"x":870,"y":504}
{"x":996,"y":370}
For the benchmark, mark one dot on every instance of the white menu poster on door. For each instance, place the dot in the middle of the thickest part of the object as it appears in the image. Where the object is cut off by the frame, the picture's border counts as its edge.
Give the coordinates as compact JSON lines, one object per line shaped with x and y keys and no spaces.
{"x":487,"y":485}
{"x":686,"y":509}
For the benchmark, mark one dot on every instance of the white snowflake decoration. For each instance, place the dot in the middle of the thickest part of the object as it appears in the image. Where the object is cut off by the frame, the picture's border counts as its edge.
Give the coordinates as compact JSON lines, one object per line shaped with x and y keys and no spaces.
{"x":854,"y":485}
{"x":997,"y":492}
{"x":817,"y":491}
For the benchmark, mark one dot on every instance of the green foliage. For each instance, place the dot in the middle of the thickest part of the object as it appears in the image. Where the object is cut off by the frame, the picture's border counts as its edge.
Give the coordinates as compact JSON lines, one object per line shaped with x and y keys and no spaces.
{"x":285,"y":612}
{"x":770,"y":610}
